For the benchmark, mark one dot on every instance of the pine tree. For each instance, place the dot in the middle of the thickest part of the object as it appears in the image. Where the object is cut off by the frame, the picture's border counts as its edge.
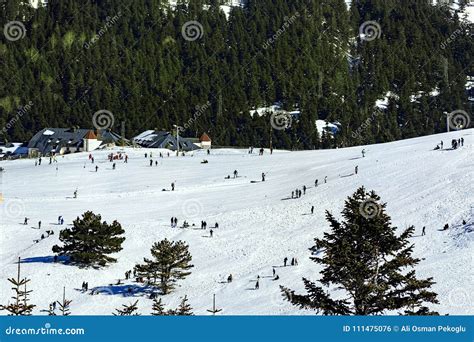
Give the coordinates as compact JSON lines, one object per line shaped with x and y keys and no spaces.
{"x":20,"y":305}
{"x":90,"y":241}
{"x":128,"y":310}
{"x":64,"y":305}
{"x":158,"y":308}
{"x":184,"y":309}
{"x":51,"y":310}
{"x":363,"y":258}
{"x":170,"y":263}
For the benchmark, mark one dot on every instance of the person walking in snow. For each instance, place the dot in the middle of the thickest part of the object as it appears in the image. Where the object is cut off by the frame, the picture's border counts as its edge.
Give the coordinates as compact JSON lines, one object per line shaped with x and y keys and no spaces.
{"x":229,"y":278}
{"x":39,"y":224}
{"x":172,"y":222}
{"x":172,"y":186}
{"x":126,"y":159}
{"x":59,"y":219}
{"x":257,"y":285}
{"x":363,"y":153}
{"x":75,"y":193}
{"x":312,"y":209}
{"x":423,"y":232}
{"x":26,"y":221}
{"x":462,"y":141}
{"x":296,"y":262}
{"x":263,"y":177}
{"x":235,"y":173}
{"x":356,"y":169}
{"x":113,"y":166}
{"x":216,"y":225}
{"x":96,"y":168}
{"x":441,"y":144}
{"x":211,"y":232}
{"x":304,"y":189}
{"x":175,"y":222}
{"x":325,"y":179}
{"x":151,"y":162}
{"x":316,"y":183}
{"x":285,"y":261}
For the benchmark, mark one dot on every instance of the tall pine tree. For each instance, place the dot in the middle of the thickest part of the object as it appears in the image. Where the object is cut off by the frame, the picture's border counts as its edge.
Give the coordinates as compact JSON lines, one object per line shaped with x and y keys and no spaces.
{"x":366,"y":263}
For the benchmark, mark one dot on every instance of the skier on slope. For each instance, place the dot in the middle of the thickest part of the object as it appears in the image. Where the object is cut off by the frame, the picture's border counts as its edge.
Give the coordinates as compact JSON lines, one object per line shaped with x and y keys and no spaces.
{"x":263,"y":177}
{"x":304,"y":189}
{"x":312,"y":209}
{"x":356,"y":169}
{"x":363,"y":153}
{"x":423,"y":231}
{"x":96,"y":168}
{"x":316,"y":183}
{"x":285,"y":261}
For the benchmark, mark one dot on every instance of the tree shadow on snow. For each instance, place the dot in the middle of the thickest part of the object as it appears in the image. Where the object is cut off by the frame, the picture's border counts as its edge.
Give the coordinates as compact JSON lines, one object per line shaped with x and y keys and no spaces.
{"x":46,"y":260}
{"x":124,"y":290}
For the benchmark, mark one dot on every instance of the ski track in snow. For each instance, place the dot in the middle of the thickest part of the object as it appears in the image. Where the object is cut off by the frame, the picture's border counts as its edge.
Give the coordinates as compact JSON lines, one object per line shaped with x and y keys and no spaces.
{"x":258,"y":226}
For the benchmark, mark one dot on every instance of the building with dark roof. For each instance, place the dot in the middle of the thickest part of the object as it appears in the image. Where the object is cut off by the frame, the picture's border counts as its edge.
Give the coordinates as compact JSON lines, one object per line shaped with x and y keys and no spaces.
{"x":164,"y":139}
{"x":51,"y":141}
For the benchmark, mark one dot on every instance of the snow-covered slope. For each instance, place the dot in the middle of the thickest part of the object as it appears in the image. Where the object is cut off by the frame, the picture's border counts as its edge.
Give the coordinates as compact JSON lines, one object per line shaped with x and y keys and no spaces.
{"x":259,"y":225}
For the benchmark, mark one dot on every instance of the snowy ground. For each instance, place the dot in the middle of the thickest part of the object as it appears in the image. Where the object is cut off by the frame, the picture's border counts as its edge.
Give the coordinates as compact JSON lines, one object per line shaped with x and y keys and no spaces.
{"x":258,"y":227}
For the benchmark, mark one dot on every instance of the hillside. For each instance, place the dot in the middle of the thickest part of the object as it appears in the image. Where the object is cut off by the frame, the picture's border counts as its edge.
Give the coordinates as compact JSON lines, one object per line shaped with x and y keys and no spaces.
{"x":258,"y":224}
{"x":153,"y":66}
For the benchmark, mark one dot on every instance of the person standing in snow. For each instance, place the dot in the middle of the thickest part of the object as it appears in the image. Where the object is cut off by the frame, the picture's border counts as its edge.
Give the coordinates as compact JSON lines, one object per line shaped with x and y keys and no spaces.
{"x":59,"y":219}
{"x":423,"y":232}
{"x":363,"y":153}
{"x":356,"y":169}
{"x":229,"y":278}
{"x":96,"y":168}
{"x":113,"y":166}
{"x":26,"y":221}
{"x":216,"y":225}
{"x":292,"y":194}
{"x":151,"y":162}
{"x":235,"y":173}
{"x":211,"y":232}
{"x":257,"y":285}
{"x":172,"y":222}
{"x":316,"y":183}
{"x":462,"y":141}
{"x":172,"y":186}
{"x":304,"y":189}
{"x":312,"y":209}
{"x":263,"y":177}
{"x":75,"y":193}
{"x":325,"y":179}
{"x":39,"y":224}
{"x":175,"y":222}
{"x":441,"y":144}
{"x":285,"y":261}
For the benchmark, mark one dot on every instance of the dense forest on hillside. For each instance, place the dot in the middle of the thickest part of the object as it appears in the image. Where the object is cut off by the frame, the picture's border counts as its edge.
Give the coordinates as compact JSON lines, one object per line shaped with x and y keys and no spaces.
{"x":306,"y":54}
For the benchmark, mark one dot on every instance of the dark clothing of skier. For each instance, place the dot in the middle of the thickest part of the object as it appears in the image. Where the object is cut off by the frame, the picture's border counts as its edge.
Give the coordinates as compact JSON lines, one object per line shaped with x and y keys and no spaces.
{"x":312,"y":209}
{"x":172,"y":186}
{"x":423,"y":231}
{"x":257,"y":285}
{"x":263,"y":177}
{"x":285,"y":261}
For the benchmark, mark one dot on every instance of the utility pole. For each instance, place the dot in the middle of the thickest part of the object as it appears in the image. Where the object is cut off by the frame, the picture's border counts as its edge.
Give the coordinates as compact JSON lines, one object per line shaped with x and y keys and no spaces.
{"x":448,"y":117}
{"x":214,"y":310}
{"x":177,"y":138}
